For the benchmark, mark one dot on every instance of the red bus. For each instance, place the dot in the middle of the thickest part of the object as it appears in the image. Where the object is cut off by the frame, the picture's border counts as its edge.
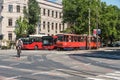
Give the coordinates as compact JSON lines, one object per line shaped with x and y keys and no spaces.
{"x":33,"y":42}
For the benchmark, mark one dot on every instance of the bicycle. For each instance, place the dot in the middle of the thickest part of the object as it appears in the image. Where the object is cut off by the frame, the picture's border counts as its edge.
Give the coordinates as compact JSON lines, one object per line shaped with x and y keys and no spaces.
{"x":18,"y":51}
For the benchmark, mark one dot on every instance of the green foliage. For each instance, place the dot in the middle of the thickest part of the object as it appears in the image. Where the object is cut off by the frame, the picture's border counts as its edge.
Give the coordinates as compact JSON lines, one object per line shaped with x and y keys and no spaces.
{"x":21,"y":27}
{"x":76,"y":14}
{"x":31,"y":29}
{"x":33,"y":15}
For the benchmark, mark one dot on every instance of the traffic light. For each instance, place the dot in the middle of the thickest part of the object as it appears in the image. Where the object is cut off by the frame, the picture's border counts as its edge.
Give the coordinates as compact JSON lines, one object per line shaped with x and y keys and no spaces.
{"x":1,"y":36}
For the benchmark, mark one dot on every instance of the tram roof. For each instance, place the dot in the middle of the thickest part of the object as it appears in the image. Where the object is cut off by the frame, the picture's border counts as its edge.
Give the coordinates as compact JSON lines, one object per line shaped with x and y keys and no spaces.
{"x":72,"y":34}
{"x":37,"y":35}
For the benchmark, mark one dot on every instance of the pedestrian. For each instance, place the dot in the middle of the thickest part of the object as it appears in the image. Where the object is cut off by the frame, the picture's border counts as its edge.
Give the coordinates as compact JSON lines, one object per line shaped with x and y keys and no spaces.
{"x":19,"y":45}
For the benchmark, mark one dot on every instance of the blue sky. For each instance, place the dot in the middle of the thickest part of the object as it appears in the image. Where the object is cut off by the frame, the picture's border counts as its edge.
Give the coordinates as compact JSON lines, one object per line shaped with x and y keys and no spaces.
{"x":113,"y":2}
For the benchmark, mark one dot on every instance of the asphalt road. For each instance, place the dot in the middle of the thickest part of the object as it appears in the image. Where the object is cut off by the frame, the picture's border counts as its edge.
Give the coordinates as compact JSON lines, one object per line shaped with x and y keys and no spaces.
{"x":102,"y":64}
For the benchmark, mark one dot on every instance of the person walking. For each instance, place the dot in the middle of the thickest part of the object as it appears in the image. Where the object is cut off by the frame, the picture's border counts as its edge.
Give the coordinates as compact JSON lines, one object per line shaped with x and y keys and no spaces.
{"x":19,"y":45}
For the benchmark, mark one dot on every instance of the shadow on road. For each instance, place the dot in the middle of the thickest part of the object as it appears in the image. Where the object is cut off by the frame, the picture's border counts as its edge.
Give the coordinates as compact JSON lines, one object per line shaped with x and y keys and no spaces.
{"x":115,"y":54}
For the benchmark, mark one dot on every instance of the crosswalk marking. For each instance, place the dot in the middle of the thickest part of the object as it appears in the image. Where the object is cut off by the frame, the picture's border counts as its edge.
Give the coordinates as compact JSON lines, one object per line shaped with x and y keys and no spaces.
{"x":109,"y":76}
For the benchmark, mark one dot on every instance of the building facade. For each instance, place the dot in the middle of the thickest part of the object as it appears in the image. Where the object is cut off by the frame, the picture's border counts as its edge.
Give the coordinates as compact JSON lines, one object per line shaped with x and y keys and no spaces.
{"x":50,"y":21}
{"x":51,"y":18}
{"x":10,"y":11}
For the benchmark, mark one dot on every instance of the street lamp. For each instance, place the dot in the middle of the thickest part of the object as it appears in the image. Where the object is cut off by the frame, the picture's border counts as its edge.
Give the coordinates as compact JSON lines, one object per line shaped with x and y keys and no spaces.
{"x":89,"y":30}
{"x":97,"y":24}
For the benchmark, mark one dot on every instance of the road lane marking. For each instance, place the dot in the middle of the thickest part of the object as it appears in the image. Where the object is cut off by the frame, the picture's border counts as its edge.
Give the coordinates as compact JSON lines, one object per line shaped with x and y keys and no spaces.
{"x":14,"y":77}
{"x":7,"y":67}
{"x":18,"y":69}
{"x":95,"y":79}
{"x":14,"y":64}
{"x":109,"y":76}
{"x":53,"y":73}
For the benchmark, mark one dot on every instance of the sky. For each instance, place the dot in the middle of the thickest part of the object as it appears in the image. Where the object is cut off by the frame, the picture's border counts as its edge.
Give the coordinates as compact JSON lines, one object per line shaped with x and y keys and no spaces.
{"x":58,"y":1}
{"x":113,"y":2}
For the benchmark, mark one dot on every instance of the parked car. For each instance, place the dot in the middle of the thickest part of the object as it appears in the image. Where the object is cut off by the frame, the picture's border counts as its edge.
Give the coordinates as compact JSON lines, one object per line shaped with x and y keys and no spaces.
{"x":116,"y":44}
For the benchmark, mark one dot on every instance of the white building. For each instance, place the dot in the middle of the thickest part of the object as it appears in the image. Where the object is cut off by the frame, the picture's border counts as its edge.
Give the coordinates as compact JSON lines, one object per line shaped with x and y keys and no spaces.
{"x":51,"y":18}
{"x":11,"y":10}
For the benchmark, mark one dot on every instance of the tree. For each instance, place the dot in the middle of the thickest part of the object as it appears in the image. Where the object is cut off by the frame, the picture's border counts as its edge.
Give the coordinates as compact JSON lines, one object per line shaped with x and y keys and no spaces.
{"x":109,"y":23}
{"x":21,"y":27}
{"x":33,"y":15}
{"x":107,"y":18}
{"x":76,"y":13}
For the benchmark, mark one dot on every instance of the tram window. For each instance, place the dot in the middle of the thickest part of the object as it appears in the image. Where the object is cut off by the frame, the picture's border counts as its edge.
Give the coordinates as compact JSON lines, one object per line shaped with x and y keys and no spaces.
{"x":66,"y":38}
{"x":76,"y":39}
{"x":79,"y":38}
{"x":93,"y":39}
{"x":71,"y":38}
{"x":82,"y":39}
{"x":60,"y":38}
{"x":54,"y":40}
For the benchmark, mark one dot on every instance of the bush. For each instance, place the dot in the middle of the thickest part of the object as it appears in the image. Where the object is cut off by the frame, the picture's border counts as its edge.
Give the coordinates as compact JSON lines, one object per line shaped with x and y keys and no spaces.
{"x":4,"y":47}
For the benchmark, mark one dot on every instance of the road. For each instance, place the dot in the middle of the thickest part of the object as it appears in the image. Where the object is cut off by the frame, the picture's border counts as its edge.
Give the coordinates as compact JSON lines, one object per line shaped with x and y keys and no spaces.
{"x":102,"y":64}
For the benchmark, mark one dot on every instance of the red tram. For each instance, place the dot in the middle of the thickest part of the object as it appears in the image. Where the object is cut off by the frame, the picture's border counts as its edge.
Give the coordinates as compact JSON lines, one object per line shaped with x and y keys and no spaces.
{"x":70,"y":41}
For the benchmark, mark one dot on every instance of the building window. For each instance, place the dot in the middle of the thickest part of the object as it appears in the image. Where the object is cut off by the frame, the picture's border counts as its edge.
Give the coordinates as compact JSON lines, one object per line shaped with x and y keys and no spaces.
{"x":43,"y":11}
{"x":10,"y":8}
{"x":43,"y":24}
{"x":48,"y":26}
{"x":60,"y":27}
{"x":52,"y":13}
{"x":55,"y":31}
{"x":24,"y":7}
{"x":18,"y":8}
{"x":10,"y":36}
{"x":60,"y":15}
{"x":48,"y":12}
{"x":63,"y":26}
{"x":1,"y":7}
{"x":56,"y":14}
{"x":52,"y":26}
{"x":56,"y":26}
{"x":10,"y":22}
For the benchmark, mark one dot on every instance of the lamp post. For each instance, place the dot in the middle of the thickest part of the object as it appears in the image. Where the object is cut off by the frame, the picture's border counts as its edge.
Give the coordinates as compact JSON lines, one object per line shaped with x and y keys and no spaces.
{"x":97,"y":27}
{"x":97,"y":24}
{"x":89,"y":30}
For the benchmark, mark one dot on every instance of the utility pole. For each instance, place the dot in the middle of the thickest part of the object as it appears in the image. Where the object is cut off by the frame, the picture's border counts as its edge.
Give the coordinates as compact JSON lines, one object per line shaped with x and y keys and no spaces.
{"x":97,"y":25}
{"x":89,"y":31}
{"x":97,"y":29}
